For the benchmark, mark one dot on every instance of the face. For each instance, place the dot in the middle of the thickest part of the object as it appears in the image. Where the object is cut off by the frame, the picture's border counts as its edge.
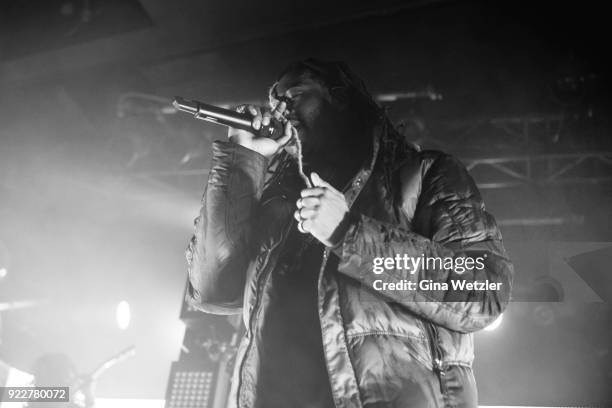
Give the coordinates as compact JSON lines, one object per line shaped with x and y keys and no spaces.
{"x":311,"y":111}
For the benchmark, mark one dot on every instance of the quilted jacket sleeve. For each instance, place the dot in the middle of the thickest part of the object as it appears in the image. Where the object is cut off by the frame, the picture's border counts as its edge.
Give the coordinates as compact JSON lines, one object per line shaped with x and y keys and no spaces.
{"x":219,"y":251}
{"x":452,"y":224}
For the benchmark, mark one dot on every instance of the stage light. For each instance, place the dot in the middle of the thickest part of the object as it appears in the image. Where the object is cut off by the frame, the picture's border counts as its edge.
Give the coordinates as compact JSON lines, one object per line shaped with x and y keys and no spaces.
{"x":3,"y":273}
{"x":495,"y":323}
{"x":123,"y":315}
{"x":191,"y":384}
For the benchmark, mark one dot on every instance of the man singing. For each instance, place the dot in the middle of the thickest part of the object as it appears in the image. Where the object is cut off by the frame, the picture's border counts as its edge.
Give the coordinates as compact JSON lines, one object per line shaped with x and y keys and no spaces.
{"x":288,"y":233}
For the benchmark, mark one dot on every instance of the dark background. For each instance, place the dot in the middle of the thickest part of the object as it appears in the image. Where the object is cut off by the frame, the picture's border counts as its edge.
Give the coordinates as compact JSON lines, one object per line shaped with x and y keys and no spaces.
{"x":100,"y":179}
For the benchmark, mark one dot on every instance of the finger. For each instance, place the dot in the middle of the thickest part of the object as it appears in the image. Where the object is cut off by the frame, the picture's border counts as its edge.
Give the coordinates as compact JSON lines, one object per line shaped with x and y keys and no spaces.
{"x":256,"y":112}
{"x":280,"y":109}
{"x":315,"y":191}
{"x":257,"y":119}
{"x":287,"y":136}
{"x":301,"y":227}
{"x":306,"y":225}
{"x":318,"y":181}
{"x":282,"y":106}
{"x":283,"y":140}
{"x":266,"y":118}
{"x":301,"y":221}
{"x":308,"y":213}
{"x":252,"y":110}
{"x":308,"y":202}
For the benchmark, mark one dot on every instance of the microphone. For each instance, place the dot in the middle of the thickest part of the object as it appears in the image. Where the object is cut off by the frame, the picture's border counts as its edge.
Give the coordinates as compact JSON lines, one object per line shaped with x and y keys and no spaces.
{"x":227,"y":117}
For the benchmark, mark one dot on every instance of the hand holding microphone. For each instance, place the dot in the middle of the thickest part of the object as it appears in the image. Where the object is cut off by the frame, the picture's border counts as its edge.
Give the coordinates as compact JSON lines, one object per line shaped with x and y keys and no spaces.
{"x":263,"y":131}
{"x":256,"y":139}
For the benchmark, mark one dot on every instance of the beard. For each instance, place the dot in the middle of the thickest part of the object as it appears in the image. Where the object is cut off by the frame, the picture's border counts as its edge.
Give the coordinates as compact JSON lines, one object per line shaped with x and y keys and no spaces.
{"x":333,"y":145}
{"x":324,"y":138}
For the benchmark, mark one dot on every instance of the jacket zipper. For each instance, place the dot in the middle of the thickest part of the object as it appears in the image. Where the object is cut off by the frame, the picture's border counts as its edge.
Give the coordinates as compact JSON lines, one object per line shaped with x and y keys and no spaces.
{"x":261,"y":279}
{"x":436,"y":355}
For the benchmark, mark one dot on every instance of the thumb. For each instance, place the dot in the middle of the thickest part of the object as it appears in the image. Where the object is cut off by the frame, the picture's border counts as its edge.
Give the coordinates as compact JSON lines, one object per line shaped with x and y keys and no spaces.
{"x":317,"y":181}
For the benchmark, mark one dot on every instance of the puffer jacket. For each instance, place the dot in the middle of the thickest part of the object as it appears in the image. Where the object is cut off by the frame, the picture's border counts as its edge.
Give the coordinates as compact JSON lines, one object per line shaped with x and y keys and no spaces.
{"x":405,"y":201}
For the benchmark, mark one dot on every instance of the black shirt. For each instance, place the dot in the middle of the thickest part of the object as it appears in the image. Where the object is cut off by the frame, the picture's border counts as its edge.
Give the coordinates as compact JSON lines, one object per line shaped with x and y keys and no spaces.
{"x":293,"y":372}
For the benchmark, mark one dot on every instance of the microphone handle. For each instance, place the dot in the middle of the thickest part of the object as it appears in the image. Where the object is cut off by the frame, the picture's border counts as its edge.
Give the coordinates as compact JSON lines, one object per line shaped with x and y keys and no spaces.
{"x":227,"y":117}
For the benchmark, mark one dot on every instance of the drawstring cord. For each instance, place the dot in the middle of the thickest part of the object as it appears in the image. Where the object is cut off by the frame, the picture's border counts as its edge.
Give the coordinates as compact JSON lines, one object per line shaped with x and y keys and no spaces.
{"x":300,"y":157}
{"x":273,"y":101}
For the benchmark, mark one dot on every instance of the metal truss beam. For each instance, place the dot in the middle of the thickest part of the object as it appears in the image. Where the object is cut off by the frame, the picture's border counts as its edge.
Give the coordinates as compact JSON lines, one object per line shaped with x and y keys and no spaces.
{"x":512,"y":171}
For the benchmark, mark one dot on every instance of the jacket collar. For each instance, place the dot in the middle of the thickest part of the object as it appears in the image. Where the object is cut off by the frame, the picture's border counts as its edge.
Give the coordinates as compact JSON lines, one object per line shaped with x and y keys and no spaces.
{"x":355,"y":186}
